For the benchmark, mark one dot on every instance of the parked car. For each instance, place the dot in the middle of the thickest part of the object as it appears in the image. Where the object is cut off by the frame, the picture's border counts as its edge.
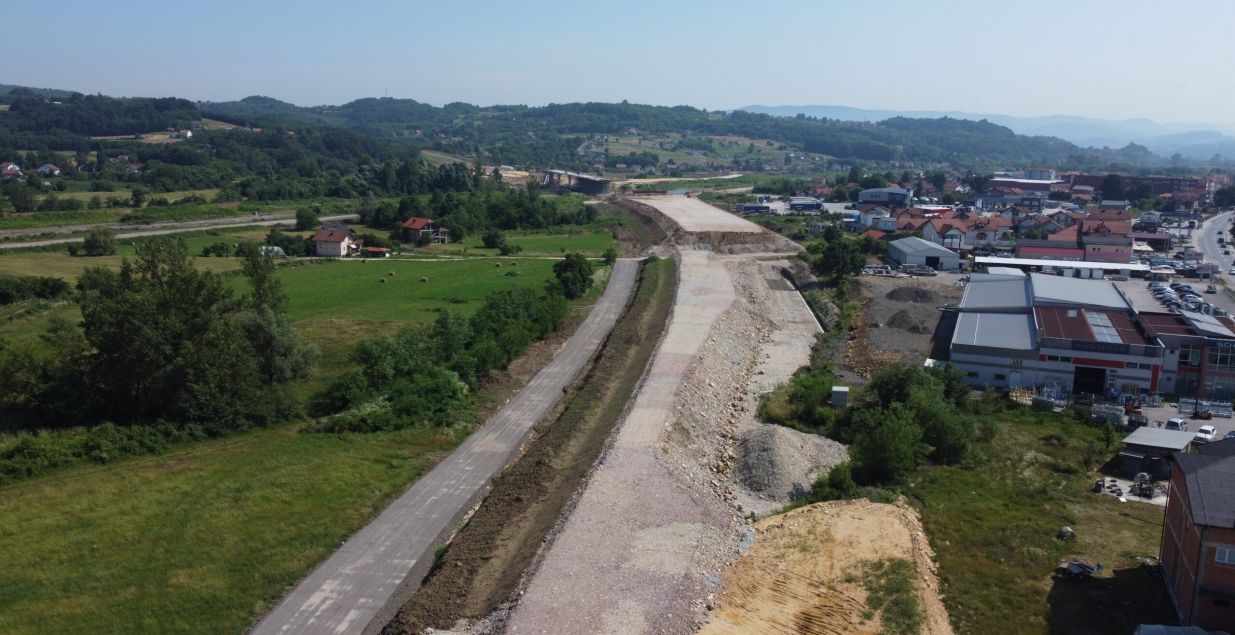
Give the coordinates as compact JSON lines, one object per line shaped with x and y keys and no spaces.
{"x":1230,"y":435}
{"x":1175,"y":423}
{"x":1205,"y":434}
{"x":1213,"y":288}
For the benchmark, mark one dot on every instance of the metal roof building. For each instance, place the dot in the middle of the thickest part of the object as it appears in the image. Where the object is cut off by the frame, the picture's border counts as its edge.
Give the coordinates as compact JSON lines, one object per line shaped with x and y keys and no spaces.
{"x":1057,"y":290}
{"x":916,"y":251}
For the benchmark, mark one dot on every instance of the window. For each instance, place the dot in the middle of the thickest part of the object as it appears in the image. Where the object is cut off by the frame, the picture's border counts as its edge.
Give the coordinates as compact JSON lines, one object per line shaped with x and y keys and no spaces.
{"x":1190,"y":354}
{"x":971,"y":374}
{"x":999,"y":377}
{"x":1224,"y":555}
{"x":1221,"y":359}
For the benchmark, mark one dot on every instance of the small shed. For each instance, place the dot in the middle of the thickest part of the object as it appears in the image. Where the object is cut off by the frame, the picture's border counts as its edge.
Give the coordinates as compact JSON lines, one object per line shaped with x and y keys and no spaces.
{"x":916,"y":251}
{"x":1146,"y":450}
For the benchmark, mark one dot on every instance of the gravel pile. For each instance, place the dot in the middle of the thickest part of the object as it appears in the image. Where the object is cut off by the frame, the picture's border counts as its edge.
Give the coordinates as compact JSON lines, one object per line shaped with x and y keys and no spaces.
{"x":905,"y":321}
{"x":913,"y":294}
{"x":780,"y":463}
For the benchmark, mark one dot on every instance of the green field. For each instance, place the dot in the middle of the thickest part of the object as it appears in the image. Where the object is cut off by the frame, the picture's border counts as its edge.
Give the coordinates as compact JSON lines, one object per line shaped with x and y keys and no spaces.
{"x":353,"y":288}
{"x":592,"y":243}
{"x":198,"y":540}
{"x":83,"y":194}
{"x":62,"y":265}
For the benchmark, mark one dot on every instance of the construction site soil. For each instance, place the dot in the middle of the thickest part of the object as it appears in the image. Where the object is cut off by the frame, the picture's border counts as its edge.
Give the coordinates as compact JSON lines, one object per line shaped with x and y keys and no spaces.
{"x":800,"y":576}
{"x":485,"y":561}
{"x":894,"y":322}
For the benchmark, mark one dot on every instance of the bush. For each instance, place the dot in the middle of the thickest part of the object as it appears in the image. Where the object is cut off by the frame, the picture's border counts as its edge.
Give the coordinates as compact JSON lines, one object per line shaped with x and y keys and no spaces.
{"x":493,"y":239}
{"x":574,"y":273}
{"x":20,"y":288}
{"x":100,"y":241}
{"x":307,"y":218}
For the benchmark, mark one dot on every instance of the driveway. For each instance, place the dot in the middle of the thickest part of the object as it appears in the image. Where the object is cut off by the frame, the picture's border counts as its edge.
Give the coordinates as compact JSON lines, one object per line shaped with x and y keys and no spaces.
{"x":361,"y":586}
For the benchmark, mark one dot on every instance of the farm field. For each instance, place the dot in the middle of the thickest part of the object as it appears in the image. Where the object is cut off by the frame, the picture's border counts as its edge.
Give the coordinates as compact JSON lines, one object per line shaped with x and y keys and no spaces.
{"x":84,"y":195}
{"x":196,"y":540}
{"x":591,"y":243}
{"x":61,"y":264}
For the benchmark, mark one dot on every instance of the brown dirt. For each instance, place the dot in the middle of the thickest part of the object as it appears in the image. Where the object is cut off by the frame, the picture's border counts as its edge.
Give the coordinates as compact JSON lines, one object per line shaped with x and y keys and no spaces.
{"x":905,"y":321}
{"x":721,"y":240}
{"x":906,"y":311}
{"x":799,"y":577}
{"x":912,"y":294}
{"x":484,"y":562}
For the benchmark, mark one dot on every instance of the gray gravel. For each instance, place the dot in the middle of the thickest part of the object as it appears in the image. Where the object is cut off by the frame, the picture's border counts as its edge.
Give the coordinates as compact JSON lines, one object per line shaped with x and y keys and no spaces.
{"x":779,"y":463}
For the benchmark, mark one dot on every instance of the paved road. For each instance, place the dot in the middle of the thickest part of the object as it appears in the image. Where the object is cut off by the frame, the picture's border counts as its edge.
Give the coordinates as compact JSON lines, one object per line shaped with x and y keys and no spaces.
{"x":162,"y":229}
{"x":361,"y":586}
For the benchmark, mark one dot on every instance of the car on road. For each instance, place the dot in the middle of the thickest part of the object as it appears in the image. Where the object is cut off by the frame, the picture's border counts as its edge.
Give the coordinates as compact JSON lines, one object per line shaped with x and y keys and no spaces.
{"x":1205,"y":434}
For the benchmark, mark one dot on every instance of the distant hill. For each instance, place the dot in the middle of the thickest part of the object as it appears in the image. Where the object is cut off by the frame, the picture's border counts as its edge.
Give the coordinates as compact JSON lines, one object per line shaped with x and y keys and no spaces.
{"x":8,"y":92}
{"x":520,"y":134}
{"x":1199,"y":141}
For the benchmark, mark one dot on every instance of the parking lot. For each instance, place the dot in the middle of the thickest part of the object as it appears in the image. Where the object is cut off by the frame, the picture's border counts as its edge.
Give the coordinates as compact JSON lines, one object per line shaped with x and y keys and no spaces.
{"x":1160,"y":415}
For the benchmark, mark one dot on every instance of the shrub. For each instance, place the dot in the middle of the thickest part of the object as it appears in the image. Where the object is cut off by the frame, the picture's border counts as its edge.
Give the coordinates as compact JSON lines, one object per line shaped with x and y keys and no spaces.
{"x":100,"y":241}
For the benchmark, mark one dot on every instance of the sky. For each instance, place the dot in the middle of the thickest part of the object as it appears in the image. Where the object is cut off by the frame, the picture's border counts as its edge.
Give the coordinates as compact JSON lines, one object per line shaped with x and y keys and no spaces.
{"x":1111,"y":59}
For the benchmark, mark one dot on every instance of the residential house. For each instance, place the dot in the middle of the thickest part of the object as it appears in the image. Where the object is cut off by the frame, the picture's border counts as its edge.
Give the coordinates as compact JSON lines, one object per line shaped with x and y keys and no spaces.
{"x":48,"y":169}
{"x":874,"y":216}
{"x":336,"y":242}
{"x":1198,"y":541}
{"x":966,"y":232}
{"x":424,"y":230}
{"x":10,"y":170}
{"x":949,"y":233}
{"x":133,"y":168}
{"x":874,"y":234}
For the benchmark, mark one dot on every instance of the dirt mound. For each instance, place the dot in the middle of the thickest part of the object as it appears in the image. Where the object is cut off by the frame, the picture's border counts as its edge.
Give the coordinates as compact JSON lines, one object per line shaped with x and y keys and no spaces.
{"x":782,"y":463}
{"x":798,"y":577}
{"x":905,"y":321}
{"x":913,"y":294}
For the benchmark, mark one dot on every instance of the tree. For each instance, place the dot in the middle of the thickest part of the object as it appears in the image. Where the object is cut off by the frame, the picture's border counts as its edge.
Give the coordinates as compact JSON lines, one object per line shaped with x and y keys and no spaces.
{"x":611,"y":256}
{"x":574,"y":273}
{"x":839,"y":260}
{"x":493,"y":239}
{"x":1113,"y":187}
{"x":855,"y":174}
{"x":1225,"y":197}
{"x":99,"y":241}
{"x":887,"y":444}
{"x":307,"y":218}
{"x":138,"y":197}
{"x":939,"y":180}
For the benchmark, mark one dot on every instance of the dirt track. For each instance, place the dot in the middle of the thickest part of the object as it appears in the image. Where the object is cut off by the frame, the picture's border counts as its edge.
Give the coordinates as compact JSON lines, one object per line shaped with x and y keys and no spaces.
{"x":797,"y":577}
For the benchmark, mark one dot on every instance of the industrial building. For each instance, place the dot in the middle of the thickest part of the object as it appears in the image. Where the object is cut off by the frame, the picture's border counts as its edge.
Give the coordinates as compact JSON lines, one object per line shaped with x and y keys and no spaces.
{"x":916,"y":251}
{"x":891,"y":196}
{"x":1086,"y":336}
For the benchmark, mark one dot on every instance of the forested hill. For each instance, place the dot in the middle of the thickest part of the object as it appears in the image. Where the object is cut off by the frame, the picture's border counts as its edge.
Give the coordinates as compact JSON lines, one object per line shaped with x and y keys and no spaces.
{"x":518,"y":134}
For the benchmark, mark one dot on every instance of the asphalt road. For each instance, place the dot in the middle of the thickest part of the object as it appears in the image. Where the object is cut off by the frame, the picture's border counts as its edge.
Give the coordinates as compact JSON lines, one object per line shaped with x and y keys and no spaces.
{"x":361,"y":586}
{"x":161,"y":229}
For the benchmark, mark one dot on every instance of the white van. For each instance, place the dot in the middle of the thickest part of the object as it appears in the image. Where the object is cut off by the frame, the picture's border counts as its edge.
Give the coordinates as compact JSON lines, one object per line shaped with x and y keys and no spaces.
{"x":1177,"y":424}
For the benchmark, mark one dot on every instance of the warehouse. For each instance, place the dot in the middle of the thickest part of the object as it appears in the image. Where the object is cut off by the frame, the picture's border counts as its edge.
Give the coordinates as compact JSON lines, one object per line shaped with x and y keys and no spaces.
{"x":916,"y":251}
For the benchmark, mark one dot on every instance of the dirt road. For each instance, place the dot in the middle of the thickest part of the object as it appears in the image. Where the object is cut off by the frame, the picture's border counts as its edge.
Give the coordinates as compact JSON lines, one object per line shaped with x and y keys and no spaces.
{"x":693,"y":215}
{"x":361,"y":585}
{"x":156,"y":229}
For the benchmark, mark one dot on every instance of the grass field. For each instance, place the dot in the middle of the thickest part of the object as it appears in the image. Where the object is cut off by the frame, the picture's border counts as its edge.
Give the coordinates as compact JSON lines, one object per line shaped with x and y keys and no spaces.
{"x":60,"y":264}
{"x":85,"y":195}
{"x":198,"y":540}
{"x":591,"y":243}
{"x":993,"y":527}
{"x":353,"y":288}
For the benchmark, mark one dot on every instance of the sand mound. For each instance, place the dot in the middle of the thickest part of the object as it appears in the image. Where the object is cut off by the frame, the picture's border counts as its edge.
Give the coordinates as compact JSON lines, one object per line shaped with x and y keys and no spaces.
{"x":782,"y":463}
{"x":905,"y":321}
{"x":913,"y":294}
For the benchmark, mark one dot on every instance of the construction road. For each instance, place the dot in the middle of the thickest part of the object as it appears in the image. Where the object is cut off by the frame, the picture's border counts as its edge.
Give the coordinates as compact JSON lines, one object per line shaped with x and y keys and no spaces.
{"x":361,"y":586}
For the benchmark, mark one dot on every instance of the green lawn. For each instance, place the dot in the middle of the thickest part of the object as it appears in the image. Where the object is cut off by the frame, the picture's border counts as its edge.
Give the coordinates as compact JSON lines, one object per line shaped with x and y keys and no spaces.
{"x":198,"y":540}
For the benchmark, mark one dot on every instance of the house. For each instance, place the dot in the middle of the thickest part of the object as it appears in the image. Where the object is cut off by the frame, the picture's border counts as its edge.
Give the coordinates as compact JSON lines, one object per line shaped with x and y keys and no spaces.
{"x":336,"y":242}
{"x":874,"y":234}
{"x":48,"y":169}
{"x":10,"y":170}
{"x":916,"y":251}
{"x":1198,"y":542}
{"x":1113,"y":204}
{"x":875,"y":216}
{"x":424,"y":231}
{"x":133,"y":168}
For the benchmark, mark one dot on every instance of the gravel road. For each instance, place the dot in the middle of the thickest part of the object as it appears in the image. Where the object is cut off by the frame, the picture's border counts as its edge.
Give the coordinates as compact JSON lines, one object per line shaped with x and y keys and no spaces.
{"x":155,"y":229}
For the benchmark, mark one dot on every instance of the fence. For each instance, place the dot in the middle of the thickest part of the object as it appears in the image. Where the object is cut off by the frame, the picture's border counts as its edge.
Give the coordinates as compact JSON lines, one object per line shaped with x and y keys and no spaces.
{"x":1189,"y":405}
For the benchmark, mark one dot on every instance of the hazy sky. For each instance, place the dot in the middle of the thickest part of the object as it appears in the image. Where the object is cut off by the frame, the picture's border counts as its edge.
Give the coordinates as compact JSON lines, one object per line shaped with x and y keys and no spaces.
{"x":1168,"y":61}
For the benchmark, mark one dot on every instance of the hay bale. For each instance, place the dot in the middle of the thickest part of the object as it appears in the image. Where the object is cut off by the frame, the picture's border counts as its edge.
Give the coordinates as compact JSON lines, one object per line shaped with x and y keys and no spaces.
{"x":498,"y":265}
{"x":390,"y":273}
{"x":513,"y":264}
{"x":382,"y":280}
{"x":424,"y":278}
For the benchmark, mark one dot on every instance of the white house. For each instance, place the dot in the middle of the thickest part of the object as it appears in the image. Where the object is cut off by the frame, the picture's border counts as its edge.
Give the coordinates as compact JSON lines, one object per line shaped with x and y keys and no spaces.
{"x":336,"y":242}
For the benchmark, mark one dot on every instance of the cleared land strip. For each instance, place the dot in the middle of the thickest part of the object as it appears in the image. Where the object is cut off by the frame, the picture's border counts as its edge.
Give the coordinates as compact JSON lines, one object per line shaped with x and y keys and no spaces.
{"x":157,"y":229}
{"x":693,"y":215}
{"x":634,"y":554}
{"x":375,"y":571}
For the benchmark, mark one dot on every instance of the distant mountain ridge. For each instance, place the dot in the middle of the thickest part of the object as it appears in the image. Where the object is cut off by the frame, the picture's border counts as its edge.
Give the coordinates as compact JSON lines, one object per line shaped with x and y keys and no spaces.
{"x":1200,"y":141}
